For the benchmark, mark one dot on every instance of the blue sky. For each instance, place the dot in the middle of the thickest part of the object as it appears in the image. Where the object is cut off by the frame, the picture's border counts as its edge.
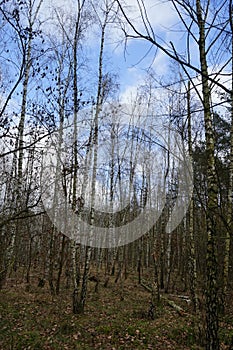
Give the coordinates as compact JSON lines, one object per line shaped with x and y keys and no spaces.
{"x":128,"y":64}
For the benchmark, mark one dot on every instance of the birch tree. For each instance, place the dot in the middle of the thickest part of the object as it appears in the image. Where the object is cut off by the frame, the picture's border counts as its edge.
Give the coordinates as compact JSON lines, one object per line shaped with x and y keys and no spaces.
{"x":204,"y":17}
{"x":22,"y":27}
{"x":106,"y":13}
{"x":230,"y":191}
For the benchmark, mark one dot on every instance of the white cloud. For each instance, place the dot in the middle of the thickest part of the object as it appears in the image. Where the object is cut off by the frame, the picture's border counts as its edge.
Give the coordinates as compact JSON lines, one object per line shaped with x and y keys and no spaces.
{"x":159,"y":13}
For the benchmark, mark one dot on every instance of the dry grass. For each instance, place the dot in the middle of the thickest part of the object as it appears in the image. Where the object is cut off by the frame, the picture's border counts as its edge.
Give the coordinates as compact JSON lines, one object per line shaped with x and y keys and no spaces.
{"x":115,"y":318}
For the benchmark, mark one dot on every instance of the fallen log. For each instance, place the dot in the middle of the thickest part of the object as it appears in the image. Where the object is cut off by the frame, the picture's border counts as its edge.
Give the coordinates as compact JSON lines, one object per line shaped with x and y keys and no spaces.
{"x":171,"y":303}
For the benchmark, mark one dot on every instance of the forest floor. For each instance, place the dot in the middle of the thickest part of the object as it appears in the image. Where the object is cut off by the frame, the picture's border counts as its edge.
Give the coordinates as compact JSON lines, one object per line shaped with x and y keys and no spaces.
{"x":115,"y":317}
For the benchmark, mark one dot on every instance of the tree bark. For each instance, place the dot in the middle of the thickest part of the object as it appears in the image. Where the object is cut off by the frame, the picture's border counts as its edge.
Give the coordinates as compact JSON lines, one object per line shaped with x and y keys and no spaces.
{"x":192,"y":255}
{"x":212,"y":319}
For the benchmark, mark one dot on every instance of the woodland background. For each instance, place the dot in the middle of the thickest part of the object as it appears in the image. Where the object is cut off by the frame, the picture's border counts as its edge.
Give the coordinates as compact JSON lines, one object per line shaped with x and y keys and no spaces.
{"x":164,"y":290}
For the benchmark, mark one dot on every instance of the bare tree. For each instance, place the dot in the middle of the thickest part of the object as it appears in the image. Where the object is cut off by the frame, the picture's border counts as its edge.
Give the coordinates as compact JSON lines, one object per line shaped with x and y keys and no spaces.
{"x":204,"y":17}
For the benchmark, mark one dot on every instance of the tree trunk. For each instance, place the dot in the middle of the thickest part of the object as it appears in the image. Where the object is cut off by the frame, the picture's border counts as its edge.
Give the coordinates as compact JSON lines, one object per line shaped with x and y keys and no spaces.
{"x":229,"y":231}
{"x":212,"y":320}
{"x":192,"y":253}
{"x":83,"y":293}
{"x":63,"y":243}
